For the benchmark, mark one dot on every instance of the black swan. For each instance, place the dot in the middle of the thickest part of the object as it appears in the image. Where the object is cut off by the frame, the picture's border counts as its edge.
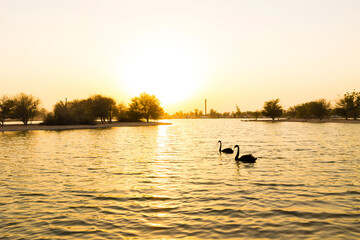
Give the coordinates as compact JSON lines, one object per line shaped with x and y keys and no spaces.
{"x":249,"y":158}
{"x":226,"y":150}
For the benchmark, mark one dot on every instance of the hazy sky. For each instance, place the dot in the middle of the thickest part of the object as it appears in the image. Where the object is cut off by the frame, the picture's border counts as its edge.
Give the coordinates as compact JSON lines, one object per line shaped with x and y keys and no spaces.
{"x":230,"y":52}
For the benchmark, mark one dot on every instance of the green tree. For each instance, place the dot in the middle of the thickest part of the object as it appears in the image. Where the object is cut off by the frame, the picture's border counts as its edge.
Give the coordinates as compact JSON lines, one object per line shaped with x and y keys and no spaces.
{"x":349,"y":105}
{"x":272,"y":109}
{"x":320,"y":108}
{"x":25,"y":107}
{"x":145,"y":106}
{"x":6,"y":108}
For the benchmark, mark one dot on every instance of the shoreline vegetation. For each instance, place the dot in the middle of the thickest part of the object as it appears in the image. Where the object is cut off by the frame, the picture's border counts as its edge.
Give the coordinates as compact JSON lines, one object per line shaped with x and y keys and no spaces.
{"x":35,"y":127}
{"x":305,"y":120}
{"x":86,"y":112}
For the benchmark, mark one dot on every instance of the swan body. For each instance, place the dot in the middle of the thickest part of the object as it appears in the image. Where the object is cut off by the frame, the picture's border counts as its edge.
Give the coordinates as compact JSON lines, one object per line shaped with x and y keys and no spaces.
{"x":248,"y":158}
{"x":225,"y":150}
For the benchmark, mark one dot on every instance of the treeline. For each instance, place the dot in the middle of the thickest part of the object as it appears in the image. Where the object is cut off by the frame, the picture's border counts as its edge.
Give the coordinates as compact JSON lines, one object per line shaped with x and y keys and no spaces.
{"x":24,"y":107}
{"x":215,"y":114}
{"x":346,"y":107}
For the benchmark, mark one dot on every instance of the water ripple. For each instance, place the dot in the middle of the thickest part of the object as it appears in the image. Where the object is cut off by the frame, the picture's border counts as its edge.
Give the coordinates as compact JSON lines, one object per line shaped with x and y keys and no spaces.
{"x":170,"y":182}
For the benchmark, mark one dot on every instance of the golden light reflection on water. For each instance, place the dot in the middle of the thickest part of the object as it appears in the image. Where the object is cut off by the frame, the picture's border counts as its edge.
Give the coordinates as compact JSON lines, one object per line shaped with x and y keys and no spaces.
{"x":159,"y":216}
{"x":162,"y":138}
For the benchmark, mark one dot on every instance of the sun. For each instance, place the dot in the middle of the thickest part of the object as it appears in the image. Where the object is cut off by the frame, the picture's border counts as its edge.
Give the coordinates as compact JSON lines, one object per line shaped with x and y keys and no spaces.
{"x":165,"y":66}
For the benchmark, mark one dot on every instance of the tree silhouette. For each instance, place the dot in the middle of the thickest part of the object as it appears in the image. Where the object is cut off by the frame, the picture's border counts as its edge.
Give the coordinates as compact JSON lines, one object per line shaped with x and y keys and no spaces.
{"x":341,"y":108}
{"x":256,"y":114}
{"x":145,"y":106}
{"x":121,"y":112}
{"x":62,"y":114}
{"x":25,"y":107}
{"x":73,"y":112}
{"x":214,"y":114}
{"x":238,"y":112}
{"x":349,"y":105}
{"x":6,"y":108}
{"x":102,"y":107}
{"x":319,"y":108}
{"x":272,"y":109}
{"x":196,"y":113}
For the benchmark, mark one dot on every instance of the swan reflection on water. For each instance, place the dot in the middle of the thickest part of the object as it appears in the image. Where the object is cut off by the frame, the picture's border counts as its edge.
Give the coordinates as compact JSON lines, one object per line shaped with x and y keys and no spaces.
{"x":243,"y":170}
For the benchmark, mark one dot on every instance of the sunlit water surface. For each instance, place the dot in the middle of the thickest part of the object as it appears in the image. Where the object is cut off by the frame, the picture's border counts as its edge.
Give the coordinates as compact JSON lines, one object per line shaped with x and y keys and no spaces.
{"x":170,"y":182}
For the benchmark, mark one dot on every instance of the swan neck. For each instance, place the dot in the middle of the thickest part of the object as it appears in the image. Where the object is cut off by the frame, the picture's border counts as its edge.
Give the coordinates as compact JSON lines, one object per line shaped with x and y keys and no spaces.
{"x":238,"y":152}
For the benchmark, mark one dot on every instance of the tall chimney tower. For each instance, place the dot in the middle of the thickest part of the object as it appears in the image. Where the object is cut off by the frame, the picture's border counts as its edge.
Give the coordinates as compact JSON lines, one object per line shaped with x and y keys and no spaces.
{"x":205,"y":107}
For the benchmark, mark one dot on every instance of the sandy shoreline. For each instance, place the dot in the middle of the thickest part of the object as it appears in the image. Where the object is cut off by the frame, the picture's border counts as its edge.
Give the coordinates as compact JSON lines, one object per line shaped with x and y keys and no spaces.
{"x":34,"y":127}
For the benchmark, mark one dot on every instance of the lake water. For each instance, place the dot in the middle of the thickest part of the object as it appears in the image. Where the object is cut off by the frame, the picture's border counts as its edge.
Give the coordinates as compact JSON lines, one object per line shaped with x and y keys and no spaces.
{"x":170,"y":182}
